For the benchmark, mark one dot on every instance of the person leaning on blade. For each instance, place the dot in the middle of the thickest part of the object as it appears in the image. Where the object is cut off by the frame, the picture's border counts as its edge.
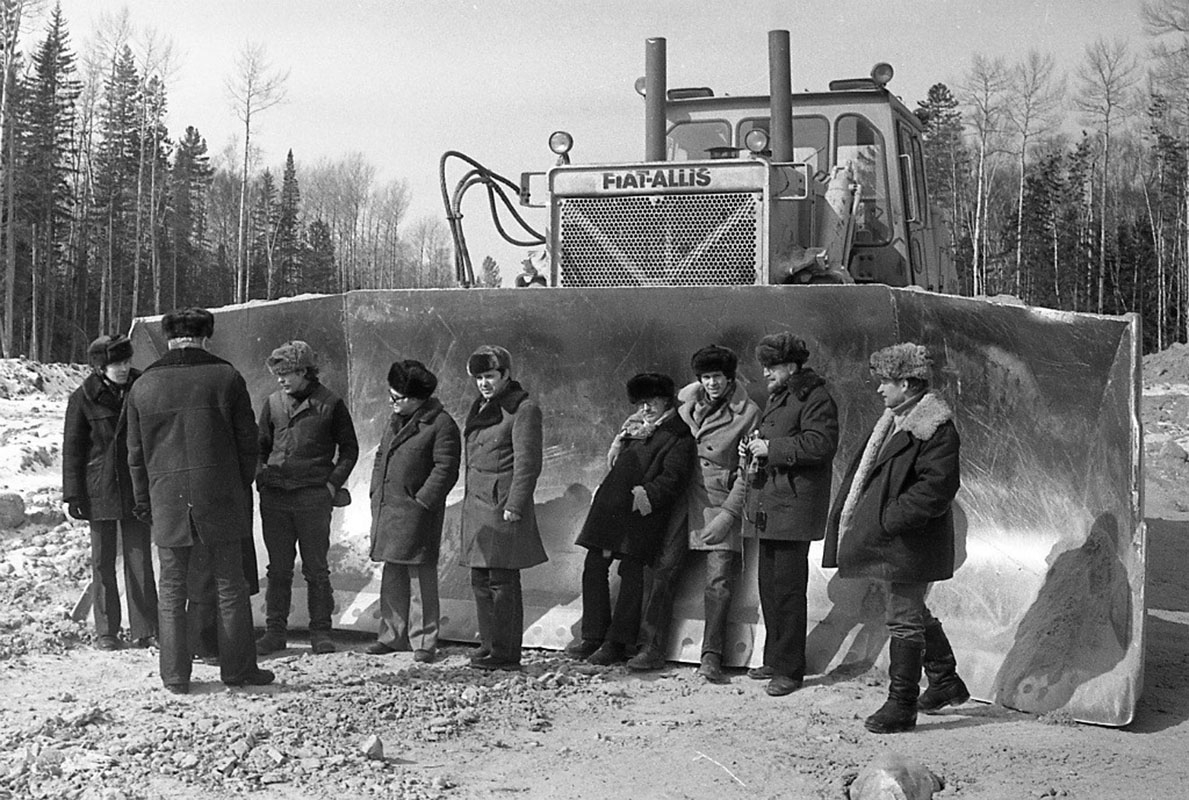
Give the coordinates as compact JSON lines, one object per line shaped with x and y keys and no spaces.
{"x":192,"y":455}
{"x":96,"y":486}
{"x":499,"y":521}
{"x":649,"y":464}
{"x":789,"y":461}
{"x":893,"y":521}
{"x":719,"y":414}
{"x":307,"y":451}
{"x":416,"y":467}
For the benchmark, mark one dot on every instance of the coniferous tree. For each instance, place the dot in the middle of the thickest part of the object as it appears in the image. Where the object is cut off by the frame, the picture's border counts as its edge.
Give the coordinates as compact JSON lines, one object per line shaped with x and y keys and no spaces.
{"x":947,"y":163}
{"x":262,"y":261}
{"x":318,"y":259}
{"x":288,"y":239}
{"x":491,"y":273}
{"x":190,"y":179}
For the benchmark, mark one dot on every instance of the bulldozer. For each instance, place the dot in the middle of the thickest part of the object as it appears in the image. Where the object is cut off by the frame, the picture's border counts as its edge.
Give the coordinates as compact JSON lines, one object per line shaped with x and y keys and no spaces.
{"x":805,"y":212}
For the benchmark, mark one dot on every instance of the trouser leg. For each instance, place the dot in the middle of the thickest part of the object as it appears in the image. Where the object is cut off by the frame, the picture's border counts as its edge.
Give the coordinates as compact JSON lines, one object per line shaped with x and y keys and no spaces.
{"x":783,"y":578}
{"x":722,"y":567}
{"x":139,"y":584}
{"x":172,"y":637}
{"x":280,"y":539}
{"x":665,"y":574}
{"x":484,"y":605}
{"x":596,"y":596}
{"x":906,"y":613}
{"x":625,"y":620}
{"x":394,"y":606}
{"x":202,"y":612}
{"x":424,"y":610}
{"x":237,"y":651}
{"x":105,"y":594}
{"x":507,"y":613}
{"x":313,"y":538}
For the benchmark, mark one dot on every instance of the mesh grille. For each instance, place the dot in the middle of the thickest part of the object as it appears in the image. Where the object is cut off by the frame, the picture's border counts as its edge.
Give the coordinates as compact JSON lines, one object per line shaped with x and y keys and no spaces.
{"x":660,"y":240}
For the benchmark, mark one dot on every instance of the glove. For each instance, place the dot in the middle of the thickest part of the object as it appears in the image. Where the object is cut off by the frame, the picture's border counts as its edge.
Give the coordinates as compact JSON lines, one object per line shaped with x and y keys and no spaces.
{"x":717,"y":530}
{"x":143,"y":513}
{"x":640,"y":502}
{"x":78,"y":509}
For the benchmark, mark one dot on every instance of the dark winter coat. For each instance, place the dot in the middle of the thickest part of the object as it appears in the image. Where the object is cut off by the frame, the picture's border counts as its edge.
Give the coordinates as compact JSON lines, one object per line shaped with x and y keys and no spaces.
{"x":416,"y":467}
{"x":192,"y":448}
{"x":893,"y":518}
{"x":503,"y":461}
{"x":662,"y":464}
{"x":800,"y":422}
{"x":94,"y":450}
{"x":716,"y":474}
{"x":299,"y":441}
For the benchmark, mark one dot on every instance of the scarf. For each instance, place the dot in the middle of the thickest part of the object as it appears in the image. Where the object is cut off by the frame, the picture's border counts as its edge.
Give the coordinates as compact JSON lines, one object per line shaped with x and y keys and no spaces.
{"x":636,"y":427}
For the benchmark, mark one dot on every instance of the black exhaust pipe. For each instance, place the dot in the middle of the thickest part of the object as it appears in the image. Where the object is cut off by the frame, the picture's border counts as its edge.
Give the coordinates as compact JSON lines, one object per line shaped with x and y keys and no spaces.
{"x":780,"y":87}
{"x":654,"y":99}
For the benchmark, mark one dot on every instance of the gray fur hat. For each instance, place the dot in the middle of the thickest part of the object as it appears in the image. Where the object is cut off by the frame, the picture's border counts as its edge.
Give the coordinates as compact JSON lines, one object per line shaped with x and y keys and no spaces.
{"x":781,"y":348}
{"x":488,"y":357}
{"x":903,"y":360}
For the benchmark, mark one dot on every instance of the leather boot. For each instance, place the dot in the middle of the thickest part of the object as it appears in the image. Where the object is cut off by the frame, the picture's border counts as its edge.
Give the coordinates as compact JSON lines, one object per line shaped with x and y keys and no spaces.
{"x":899,"y":712}
{"x":711,"y":668}
{"x":945,"y":688}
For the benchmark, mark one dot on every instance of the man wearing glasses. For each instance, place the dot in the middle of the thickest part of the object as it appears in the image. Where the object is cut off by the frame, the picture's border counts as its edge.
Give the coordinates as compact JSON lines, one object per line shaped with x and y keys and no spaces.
{"x":302,"y":425}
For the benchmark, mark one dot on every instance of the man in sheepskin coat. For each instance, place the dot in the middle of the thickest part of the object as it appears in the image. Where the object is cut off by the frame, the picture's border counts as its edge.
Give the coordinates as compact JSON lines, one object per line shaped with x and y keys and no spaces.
{"x":790,"y":465}
{"x":893,"y":521}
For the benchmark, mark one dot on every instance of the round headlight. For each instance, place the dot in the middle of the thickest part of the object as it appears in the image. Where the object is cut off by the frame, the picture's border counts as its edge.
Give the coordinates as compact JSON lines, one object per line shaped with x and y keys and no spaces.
{"x":756,"y":140}
{"x":882,"y":73}
{"x":560,"y":142}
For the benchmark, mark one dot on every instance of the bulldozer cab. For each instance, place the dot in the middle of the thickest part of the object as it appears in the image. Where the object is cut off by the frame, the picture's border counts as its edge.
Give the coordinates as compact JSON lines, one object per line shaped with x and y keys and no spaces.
{"x":851,"y":205}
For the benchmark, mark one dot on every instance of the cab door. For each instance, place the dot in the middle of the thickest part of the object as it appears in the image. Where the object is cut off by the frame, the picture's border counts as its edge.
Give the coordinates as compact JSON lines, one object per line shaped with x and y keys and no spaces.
{"x":916,"y":209}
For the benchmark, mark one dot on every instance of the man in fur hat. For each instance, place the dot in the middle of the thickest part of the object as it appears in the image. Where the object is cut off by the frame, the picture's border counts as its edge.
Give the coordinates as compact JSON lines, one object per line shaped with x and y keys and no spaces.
{"x":96,"y":486}
{"x":893,"y":521}
{"x":789,"y":464}
{"x":308,"y":448}
{"x":192,"y":455}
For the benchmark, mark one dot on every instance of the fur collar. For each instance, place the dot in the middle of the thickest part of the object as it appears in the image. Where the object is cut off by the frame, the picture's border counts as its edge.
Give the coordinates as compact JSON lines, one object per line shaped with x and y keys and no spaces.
{"x":801,"y":383}
{"x":186,"y":357}
{"x":921,"y":422}
{"x":693,"y":397}
{"x":484,"y":415}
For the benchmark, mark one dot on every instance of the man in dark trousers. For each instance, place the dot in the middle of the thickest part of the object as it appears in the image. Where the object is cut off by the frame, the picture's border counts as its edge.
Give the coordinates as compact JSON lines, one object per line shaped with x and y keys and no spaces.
{"x":192,"y":455}
{"x":307,"y":450}
{"x":789,"y":462}
{"x":893,"y":521}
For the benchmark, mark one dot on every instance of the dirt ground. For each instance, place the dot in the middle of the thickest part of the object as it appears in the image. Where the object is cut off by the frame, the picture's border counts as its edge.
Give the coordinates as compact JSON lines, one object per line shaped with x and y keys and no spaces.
{"x":79,"y":723}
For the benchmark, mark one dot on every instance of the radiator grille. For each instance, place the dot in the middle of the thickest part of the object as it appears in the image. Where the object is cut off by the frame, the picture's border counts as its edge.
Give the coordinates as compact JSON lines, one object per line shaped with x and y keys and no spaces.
{"x":660,"y":240}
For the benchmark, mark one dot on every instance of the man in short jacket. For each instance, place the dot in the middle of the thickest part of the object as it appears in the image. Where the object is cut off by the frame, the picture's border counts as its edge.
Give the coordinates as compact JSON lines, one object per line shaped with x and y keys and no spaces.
{"x":308,"y":448}
{"x":893,"y":521}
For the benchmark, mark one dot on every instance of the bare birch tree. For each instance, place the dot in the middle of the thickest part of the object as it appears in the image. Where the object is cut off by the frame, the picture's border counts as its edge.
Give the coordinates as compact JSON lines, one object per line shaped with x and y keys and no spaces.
{"x":253,"y":88}
{"x":983,"y":93}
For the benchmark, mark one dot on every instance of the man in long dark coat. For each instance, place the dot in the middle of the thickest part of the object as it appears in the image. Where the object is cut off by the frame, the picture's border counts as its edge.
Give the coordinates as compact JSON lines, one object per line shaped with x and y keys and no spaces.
{"x":192,"y":455}
{"x":790,"y":463}
{"x":893,"y":520}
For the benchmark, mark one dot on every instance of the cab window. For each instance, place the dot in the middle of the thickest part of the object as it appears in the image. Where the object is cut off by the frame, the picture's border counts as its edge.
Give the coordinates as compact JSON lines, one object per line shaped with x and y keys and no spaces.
{"x":691,"y":141}
{"x":861,"y":145}
{"x":810,"y":139}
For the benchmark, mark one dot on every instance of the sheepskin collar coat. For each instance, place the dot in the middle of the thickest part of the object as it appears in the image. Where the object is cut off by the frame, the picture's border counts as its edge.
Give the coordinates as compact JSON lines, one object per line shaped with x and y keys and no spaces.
{"x":893,"y":515}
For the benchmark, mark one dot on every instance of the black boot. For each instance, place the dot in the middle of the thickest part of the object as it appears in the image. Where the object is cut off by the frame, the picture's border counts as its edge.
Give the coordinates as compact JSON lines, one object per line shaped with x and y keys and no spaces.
{"x":941,"y":668}
{"x":899,"y":713}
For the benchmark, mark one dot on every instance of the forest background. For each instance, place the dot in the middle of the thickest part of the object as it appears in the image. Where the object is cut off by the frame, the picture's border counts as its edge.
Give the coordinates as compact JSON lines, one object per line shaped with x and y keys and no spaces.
{"x":1068,"y":190}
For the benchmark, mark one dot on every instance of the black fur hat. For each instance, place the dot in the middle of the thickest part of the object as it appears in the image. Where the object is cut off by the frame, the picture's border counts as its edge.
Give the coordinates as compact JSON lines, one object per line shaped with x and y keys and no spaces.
{"x":651,"y":384}
{"x":186,"y":323}
{"x":713,"y":358}
{"x":108,"y":350}
{"x":489,"y":357}
{"x":412,"y":379}
{"x":781,"y":348}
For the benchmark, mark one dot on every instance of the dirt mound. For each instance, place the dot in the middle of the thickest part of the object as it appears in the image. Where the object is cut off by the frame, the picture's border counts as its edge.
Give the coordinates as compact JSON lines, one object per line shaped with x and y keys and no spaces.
{"x":1170,"y":365}
{"x":20,"y":377}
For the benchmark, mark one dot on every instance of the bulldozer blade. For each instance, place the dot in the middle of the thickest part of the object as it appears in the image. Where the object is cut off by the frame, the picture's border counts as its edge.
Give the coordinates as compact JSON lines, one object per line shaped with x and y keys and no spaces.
{"x":1046,"y":608}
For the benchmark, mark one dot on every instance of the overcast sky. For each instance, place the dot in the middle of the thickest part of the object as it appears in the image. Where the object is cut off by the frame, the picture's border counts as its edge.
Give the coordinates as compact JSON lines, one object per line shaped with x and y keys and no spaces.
{"x":402,"y":81}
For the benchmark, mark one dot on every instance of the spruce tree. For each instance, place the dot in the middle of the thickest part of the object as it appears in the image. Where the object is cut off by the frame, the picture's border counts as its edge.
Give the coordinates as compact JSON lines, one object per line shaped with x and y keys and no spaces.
{"x":288,"y":245}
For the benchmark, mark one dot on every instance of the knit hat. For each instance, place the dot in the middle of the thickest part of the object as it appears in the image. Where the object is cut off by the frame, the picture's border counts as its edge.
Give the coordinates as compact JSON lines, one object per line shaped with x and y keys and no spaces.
{"x":108,"y":350}
{"x":781,"y":348}
{"x":713,"y":358}
{"x":294,"y":356}
{"x":186,"y":323}
{"x":900,"y":361}
{"x":489,"y":357}
{"x":647,"y":385}
{"x":412,"y":379}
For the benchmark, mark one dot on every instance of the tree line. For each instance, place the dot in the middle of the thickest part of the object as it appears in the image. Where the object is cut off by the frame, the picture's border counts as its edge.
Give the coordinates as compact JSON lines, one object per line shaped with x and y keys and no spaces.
{"x":1067,"y":191}
{"x":106,"y":215}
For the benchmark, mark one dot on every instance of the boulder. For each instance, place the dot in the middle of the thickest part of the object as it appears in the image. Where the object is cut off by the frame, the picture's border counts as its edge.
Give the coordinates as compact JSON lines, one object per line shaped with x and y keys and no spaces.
{"x":12,"y":510}
{"x":892,"y":776}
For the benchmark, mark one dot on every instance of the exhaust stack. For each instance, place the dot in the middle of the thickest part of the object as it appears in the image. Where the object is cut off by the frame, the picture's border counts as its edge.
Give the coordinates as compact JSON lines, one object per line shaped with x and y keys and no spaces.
{"x":654,"y":99}
{"x":780,"y":83}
